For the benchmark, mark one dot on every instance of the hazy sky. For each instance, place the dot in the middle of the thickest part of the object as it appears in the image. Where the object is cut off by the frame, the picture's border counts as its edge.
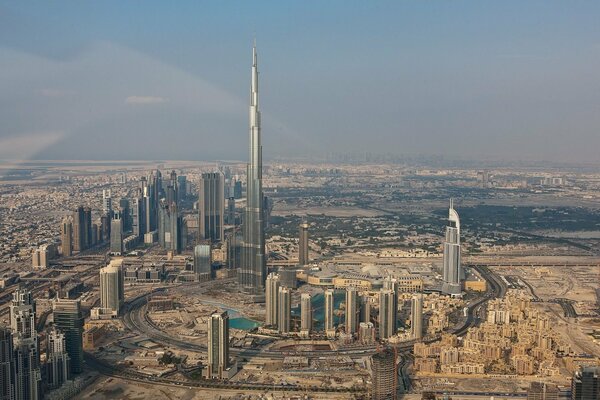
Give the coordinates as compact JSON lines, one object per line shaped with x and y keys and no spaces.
{"x":170,"y":80}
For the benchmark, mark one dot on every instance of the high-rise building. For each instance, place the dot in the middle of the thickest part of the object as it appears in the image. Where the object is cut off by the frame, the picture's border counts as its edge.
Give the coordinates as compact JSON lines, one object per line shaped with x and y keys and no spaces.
{"x":387,"y":326}
{"x":253,"y":271}
{"x":69,"y":319}
{"x":384,"y":375}
{"x":390,"y":283}
{"x":366,"y":332}
{"x":27,"y":383}
{"x":365,"y":309}
{"x":218,"y":345}
{"x":82,"y":229}
{"x":303,"y":258}
{"x":231,"y":210}
{"x":170,"y":226}
{"x":7,"y":365}
{"x":586,"y":384}
{"x":112,"y":290}
{"x":125,"y":206}
{"x":211,"y":207}
{"x":66,"y":236}
{"x":57,"y":359}
{"x":352,"y":313}
{"x":542,"y":391}
{"x":116,"y":234}
{"x":106,"y":202}
{"x":452,"y":265}
{"x":138,"y":222}
{"x":202,"y":260}
{"x":182,"y":187}
{"x":284,"y":308}
{"x":328,"y":300}
{"x":306,"y":318}
{"x":271,"y":299}
{"x":416,"y":316}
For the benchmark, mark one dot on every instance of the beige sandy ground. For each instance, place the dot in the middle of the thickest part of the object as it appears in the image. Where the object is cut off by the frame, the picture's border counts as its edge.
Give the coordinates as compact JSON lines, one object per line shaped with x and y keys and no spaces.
{"x":111,"y":388}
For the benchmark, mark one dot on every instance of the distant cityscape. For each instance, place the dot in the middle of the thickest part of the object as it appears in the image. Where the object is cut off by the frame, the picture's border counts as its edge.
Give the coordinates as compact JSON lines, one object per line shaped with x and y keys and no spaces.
{"x":298,"y":280}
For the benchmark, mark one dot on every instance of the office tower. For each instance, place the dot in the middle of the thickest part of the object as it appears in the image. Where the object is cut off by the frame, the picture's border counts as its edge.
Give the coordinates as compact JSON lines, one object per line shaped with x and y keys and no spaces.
{"x":106,"y":202}
{"x":78,"y":230}
{"x":328,"y":300}
{"x":7,"y":365}
{"x":366,"y":332}
{"x":116,"y":234}
{"x":169,"y":227}
{"x":202,"y":259}
{"x":87,"y":227}
{"x":57,"y":359}
{"x":66,"y":236}
{"x":303,"y":244}
{"x":231,"y":210}
{"x":284,"y":310}
{"x":351,"y":310}
{"x":452,"y":266}
{"x":27,"y":383}
{"x":384,"y":375}
{"x":105,"y":220}
{"x":234,"y":250}
{"x":416,"y":316}
{"x":211,"y":207}
{"x":390,"y":283}
{"x":172,"y":189}
{"x":112,"y":289}
{"x":387,"y":326}
{"x":218,"y":345}
{"x":253,"y":271}
{"x":237,"y":189}
{"x":305,"y":314}
{"x":586,"y":384}
{"x":271,"y":299}
{"x":182,"y":187}
{"x":138,"y":222}
{"x":542,"y":391}
{"x":125,"y":207}
{"x":365,"y":309}
{"x":69,"y":319}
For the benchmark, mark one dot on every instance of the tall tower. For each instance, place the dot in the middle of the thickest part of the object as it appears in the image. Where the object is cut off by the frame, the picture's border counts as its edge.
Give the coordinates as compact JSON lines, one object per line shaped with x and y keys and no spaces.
{"x":57,"y":363}
{"x":69,"y":319}
{"x":384,"y":375}
{"x":271,"y":298}
{"x":7,"y":365}
{"x":112,"y":291}
{"x":25,"y":346}
{"x":202,"y":260}
{"x":585,"y":384}
{"x":351,"y":310}
{"x":452,"y":266}
{"x":305,"y":314}
{"x":416,"y":316}
{"x":66,"y":236}
{"x":116,"y":234}
{"x":387,"y":326}
{"x":329,"y":328}
{"x":218,"y":344}
{"x":390,"y":283}
{"x":106,"y":202}
{"x":284,"y":308}
{"x":211,"y":207}
{"x":303,"y":244}
{"x":253,"y":271}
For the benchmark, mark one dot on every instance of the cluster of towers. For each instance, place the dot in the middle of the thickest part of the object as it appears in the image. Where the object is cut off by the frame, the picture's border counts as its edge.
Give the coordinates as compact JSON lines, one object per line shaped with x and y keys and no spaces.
{"x":22,"y":376}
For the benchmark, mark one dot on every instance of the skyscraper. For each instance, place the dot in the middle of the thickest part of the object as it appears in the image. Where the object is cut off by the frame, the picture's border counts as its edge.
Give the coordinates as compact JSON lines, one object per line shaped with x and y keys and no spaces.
{"x":138,"y":212}
{"x":69,"y":319}
{"x":387,"y":326}
{"x":106,"y":202}
{"x":328,"y":300}
{"x":231,"y":210}
{"x":351,"y":310}
{"x":112,"y":291}
{"x":211,"y":207}
{"x":303,"y":244}
{"x":390,"y":283}
{"x":305,"y":314}
{"x":82,"y":228}
{"x":271,"y":299}
{"x":25,"y":346}
{"x":170,"y":226}
{"x":452,"y":265}
{"x":57,"y":359}
{"x":253,"y":271}
{"x":202,"y":260}
{"x":284,"y":308}
{"x":116,"y":234}
{"x":384,"y":375}
{"x":586,"y":384}
{"x":416,"y":316}
{"x":365,"y":309}
{"x":7,"y":365}
{"x":218,"y":345}
{"x":66,"y":236}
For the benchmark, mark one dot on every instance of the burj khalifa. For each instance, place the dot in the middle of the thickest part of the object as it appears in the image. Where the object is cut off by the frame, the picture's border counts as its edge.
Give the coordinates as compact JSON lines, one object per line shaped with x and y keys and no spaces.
{"x":253,"y":269}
